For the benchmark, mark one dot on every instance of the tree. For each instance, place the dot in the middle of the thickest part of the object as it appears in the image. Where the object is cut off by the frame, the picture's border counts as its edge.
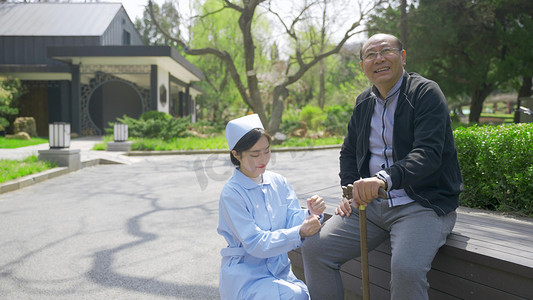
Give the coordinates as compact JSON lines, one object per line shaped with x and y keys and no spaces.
{"x":10,"y":90}
{"x":169,"y":21}
{"x":471,"y":44}
{"x":220,"y":99}
{"x":247,"y":83}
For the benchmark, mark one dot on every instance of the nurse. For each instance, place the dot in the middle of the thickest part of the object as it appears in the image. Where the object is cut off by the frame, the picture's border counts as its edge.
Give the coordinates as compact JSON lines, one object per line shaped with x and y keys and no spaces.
{"x":261,"y":220}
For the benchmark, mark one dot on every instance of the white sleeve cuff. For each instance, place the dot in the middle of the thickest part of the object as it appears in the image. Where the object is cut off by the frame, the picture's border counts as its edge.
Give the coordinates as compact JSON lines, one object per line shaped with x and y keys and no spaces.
{"x":385,"y":176}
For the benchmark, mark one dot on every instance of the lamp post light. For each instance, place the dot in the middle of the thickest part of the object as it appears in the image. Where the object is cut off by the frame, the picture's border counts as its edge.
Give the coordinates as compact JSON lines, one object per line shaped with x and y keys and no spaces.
{"x":120,"y":132}
{"x":59,"y":135}
{"x":59,"y":152}
{"x":120,"y":138}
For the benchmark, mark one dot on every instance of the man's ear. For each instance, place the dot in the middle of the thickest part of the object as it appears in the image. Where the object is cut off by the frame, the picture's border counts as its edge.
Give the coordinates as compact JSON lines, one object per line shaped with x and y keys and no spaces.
{"x":404,"y":57}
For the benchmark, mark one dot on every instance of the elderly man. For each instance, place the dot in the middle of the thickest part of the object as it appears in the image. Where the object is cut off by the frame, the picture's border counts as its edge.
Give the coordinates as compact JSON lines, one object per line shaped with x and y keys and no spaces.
{"x":399,"y":139}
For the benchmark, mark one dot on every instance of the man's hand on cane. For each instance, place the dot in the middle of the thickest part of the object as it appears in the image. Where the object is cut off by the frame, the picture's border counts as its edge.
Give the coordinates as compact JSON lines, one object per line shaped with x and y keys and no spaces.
{"x":362,"y":192}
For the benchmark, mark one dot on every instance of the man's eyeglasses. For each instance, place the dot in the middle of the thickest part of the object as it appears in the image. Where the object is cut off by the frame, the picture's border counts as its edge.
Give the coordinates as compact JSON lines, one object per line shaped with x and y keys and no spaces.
{"x":385,"y":52}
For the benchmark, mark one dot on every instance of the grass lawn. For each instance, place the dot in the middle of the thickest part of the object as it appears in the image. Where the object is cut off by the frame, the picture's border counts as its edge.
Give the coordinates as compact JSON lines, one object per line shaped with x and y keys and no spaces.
{"x":215,"y":142}
{"x":11,"y":169}
{"x":14,"y":143}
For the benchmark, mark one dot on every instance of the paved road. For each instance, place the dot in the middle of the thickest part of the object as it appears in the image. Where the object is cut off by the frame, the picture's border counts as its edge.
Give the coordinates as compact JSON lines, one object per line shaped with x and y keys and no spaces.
{"x":141,"y":230}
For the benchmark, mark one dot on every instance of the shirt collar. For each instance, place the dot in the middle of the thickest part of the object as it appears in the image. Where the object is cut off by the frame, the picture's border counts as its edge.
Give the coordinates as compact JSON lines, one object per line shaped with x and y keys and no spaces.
{"x":393,"y":92}
{"x":247,"y":182}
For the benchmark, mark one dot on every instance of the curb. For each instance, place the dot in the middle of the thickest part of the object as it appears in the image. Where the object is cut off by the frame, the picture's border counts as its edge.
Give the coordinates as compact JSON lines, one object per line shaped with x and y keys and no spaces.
{"x":28,"y":180}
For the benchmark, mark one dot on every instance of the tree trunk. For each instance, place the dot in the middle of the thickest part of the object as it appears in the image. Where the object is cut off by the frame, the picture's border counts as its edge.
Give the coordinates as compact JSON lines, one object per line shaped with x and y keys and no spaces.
{"x":322,"y":64}
{"x":524,"y":91}
{"x":476,"y":104}
{"x":280,"y":93}
{"x":322,"y":85}
{"x":245,"y":24}
{"x":403,"y":23}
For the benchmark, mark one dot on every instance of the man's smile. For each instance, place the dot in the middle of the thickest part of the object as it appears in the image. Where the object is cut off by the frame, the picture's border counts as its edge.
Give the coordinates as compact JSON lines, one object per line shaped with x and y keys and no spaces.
{"x":382,"y":69}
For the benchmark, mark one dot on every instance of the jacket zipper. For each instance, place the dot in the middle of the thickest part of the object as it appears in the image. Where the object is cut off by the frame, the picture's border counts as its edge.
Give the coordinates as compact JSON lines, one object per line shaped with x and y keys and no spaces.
{"x":385,"y":143}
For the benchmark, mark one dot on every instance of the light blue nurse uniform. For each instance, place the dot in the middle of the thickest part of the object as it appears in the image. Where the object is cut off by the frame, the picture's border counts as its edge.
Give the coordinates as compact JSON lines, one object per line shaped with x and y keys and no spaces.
{"x":261,"y":223}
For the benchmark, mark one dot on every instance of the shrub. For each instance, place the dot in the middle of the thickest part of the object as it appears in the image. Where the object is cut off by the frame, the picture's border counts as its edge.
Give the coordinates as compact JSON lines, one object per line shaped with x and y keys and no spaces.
{"x":313,"y":116}
{"x":290,"y":121}
{"x":10,"y":90}
{"x":206,"y":127}
{"x":497,"y":167}
{"x":337,"y":119}
{"x":156,"y":126}
{"x":155,"y":115}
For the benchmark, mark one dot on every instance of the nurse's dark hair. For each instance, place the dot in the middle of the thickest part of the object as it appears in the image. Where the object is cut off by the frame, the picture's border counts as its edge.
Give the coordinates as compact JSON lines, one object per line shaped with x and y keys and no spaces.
{"x":247,"y":142}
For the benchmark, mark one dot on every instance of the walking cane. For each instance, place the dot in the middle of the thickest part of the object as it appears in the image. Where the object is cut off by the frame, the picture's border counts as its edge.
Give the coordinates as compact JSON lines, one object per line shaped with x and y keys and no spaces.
{"x":348,"y":194}
{"x":364,"y":253}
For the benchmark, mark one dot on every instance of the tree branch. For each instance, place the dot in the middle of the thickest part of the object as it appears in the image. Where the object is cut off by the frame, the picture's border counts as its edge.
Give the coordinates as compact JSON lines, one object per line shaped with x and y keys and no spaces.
{"x":223,"y":55}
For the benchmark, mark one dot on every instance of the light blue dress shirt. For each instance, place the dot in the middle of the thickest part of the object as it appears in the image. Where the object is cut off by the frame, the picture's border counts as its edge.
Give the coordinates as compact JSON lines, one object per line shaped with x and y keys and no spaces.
{"x":381,"y":142}
{"x":261,"y":223}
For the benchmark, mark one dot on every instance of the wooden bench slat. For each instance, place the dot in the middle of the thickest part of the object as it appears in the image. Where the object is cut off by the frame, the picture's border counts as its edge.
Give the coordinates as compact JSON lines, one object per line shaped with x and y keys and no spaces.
{"x":519,"y":235}
{"x":485,"y":273}
{"x":355,"y":287}
{"x":471,"y":247}
{"x":495,"y":239}
{"x":462,"y":288}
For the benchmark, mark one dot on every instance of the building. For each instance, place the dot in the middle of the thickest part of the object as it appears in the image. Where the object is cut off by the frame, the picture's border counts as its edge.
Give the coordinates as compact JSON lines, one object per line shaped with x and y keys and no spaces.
{"x":85,"y":64}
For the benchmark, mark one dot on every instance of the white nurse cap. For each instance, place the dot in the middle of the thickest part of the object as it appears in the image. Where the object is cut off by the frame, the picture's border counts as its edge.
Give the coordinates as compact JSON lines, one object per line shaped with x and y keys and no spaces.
{"x":237,"y":128}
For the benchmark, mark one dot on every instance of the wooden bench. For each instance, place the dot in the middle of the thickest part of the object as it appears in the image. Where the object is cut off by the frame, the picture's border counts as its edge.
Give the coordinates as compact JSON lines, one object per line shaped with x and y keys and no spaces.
{"x":487,"y":256}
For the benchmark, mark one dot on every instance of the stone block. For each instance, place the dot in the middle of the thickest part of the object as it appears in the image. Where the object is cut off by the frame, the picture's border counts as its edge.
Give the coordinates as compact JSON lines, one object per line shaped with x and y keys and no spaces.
{"x":70,"y":158}
{"x":119,"y":146}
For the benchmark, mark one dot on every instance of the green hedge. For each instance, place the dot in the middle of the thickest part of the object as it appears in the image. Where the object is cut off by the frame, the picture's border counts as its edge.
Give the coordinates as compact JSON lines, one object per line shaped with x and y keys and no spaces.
{"x":497,"y":167}
{"x":155,"y":125}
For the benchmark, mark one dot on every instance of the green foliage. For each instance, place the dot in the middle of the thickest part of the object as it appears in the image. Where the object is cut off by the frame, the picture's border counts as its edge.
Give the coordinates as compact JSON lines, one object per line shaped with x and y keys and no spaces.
{"x":337,"y":119}
{"x":216,"y":142}
{"x":313,"y":116}
{"x":177,"y":144}
{"x":169,"y":19}
{"x":221,"y":100}
{"x":291,"y":121}
{"x":155,"y":125}
{"x":16,"y":143}
{"x":11,"y":169}
{"x":155,"y":115}
{"x":209,"y":128}
{"x":309,"y":142}
{"x":497,"y":167}
{"x":10,"y":89}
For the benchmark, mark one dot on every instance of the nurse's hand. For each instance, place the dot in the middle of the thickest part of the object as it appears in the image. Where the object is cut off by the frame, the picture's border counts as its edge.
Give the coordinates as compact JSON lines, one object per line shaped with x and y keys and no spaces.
{"x":316,"y":205}
{"x":344,"y":208}
{"x":310,"y":226}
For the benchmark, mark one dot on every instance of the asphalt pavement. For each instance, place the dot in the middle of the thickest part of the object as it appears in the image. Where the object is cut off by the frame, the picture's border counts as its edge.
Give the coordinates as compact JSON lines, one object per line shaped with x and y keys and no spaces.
{"x":141,"y":229}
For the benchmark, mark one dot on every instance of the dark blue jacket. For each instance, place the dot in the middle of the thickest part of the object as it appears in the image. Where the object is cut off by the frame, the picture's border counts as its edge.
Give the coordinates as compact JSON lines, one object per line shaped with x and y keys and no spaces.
{"x":425,"y":156}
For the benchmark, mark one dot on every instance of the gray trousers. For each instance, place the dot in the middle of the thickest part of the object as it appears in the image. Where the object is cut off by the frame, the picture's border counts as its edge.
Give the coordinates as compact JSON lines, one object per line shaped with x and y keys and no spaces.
{"x":416,"y":233}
